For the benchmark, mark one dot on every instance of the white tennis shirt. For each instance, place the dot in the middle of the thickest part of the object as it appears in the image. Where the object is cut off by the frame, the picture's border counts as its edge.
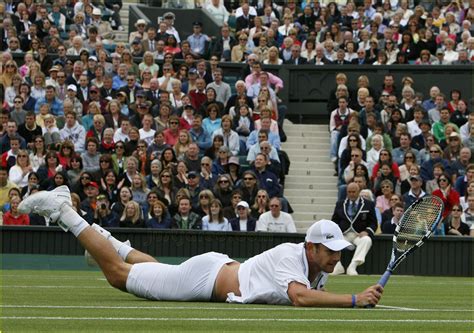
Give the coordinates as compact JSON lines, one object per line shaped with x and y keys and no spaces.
{"x":265,"y":277}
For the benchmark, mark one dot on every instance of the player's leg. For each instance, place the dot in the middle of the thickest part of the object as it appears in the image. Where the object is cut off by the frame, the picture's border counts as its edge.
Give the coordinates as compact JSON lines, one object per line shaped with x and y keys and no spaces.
{"x":56,"y":206}
{"x":363,"y":245}
{"x":114,"y":268}
{"x":128,"y":254}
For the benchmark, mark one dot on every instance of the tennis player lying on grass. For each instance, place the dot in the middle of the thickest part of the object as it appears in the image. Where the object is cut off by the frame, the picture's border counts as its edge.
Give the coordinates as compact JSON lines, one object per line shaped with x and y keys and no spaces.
{"x":287,"y":274}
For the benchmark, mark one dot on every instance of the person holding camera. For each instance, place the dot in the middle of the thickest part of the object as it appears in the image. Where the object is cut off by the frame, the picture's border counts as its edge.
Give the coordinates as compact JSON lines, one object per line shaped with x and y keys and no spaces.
{"x":103,"y":215}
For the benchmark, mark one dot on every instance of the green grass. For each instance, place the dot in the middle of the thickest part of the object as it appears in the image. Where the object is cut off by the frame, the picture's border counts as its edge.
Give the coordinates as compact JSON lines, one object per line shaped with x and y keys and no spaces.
{"x":46,"y":300}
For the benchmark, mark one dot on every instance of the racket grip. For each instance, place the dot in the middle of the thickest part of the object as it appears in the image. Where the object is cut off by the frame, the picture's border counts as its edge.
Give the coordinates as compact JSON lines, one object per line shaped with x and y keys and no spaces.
{"x":384,"y":279}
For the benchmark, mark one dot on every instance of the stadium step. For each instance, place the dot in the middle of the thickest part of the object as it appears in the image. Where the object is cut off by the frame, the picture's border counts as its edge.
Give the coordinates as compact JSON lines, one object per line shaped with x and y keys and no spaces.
{"x":310,"y":186}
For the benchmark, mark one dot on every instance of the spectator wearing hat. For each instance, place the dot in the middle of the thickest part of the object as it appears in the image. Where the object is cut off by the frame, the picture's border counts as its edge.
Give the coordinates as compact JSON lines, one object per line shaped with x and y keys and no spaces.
{"x":89,"y":204}
{"x":140,"y":34}
{"x":169,"y":18}
{"x":416,"y":190}
{"x":103,"y":215}
{"x":198,"y":41}
{"x":244,"y":221}
{"x":440,"y":58}
{"x":233,"y":165}
{"x":136,"y":48}
{"x":419,"y":141}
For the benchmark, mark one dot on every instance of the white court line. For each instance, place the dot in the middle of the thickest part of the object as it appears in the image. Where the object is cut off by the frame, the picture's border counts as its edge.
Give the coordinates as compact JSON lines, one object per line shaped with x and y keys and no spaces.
{"x":239,"y":308}
{"x":393,"y":279}
{"x":388,"y":307}
{"x":58,"y":287}
{"x":243,"y":319}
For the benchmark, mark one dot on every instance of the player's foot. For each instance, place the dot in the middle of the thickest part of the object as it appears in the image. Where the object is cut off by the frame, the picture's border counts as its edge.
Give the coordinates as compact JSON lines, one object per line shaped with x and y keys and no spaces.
{"x":351,"y":270}
{"x":48,"y":204}
{"x":338,"y":269}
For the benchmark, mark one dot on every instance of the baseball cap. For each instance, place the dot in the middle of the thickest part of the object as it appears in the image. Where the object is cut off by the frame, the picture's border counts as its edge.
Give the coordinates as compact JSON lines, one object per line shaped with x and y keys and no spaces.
{"x":329,"y":234}
{"x":96,"y":11}
{"x":197,"y":24}
{"x":234,"y":160}
{"x":72,"y":87}
{"x":192,"y":71}
{"x":94,"y":88}
{"x":439,"y":51}
{"x":54,"y":69}
{"x":93,"y":58}
{"x":93,"y":184}
{"x":243,"y":204}
{"x":192,"y":174}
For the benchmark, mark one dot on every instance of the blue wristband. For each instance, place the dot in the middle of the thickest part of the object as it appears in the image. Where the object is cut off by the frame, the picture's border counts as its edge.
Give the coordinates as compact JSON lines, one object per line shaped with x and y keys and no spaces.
{"x":354,"y":300}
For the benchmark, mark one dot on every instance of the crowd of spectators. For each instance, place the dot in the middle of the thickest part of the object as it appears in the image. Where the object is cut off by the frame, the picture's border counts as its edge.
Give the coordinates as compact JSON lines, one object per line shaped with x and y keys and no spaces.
{"x":161,"y":143}
{"x":398,"y":147}
{"x":148,"y":133}
{"x":378,"y":32}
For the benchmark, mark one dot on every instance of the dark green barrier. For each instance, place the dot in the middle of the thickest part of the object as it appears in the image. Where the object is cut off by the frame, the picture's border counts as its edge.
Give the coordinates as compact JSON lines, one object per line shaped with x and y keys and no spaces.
{"x":447,"y":256}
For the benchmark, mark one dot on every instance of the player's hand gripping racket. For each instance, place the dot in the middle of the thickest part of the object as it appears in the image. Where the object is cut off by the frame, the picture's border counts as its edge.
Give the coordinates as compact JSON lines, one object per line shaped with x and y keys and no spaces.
{"x":417,"y":224}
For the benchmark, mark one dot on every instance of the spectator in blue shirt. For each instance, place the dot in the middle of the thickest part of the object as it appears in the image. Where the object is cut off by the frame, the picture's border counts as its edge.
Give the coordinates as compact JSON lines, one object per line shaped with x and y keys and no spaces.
{"x":120,"y":80}
{"x":198,"y":40}
{"x":55,"y":105}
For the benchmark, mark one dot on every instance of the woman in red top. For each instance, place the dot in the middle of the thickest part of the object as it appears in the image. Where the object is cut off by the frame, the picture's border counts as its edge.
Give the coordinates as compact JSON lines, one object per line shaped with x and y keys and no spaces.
{"x":449,"y":195}
{"x":13,"y":217}
{"x":385,"y":156}
{"x":66,"y":152}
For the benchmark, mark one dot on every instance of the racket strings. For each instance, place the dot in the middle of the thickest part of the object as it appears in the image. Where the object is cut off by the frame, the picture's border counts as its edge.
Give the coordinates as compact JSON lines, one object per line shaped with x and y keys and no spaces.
{"x":417,"y":222}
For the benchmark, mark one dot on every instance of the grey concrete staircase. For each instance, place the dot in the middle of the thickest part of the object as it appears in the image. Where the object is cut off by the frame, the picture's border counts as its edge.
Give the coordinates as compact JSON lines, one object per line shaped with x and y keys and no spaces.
{"x":310,"y":185}
{"x":122,"y":36}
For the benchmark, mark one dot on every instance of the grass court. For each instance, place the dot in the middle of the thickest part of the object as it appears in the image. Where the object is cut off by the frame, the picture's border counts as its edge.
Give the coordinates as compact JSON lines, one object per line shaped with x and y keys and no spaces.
{"x":82,"y":301}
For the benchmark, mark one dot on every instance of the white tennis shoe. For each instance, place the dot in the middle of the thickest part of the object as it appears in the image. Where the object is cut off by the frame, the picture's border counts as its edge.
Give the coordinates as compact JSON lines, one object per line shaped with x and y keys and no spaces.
{"x":48,"y":204}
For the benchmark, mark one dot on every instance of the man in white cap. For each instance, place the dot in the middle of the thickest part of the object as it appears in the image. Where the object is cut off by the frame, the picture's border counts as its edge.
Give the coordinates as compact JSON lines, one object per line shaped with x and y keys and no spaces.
{"x":103,"y":27}
{"x":287,"y":274}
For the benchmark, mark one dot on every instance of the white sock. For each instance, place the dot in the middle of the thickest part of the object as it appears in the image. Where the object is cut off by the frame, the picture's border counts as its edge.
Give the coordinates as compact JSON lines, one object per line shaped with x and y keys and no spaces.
{"x":123,"y":249}
{"x":75,"y":222}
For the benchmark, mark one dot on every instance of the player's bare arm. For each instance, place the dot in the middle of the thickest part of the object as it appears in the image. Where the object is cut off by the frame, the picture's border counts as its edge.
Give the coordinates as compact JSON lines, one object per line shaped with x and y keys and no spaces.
{"x":300,"y":295}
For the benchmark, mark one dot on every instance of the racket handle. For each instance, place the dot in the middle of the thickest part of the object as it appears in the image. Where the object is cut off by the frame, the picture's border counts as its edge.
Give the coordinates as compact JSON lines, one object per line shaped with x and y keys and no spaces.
{"x":383,"y":281}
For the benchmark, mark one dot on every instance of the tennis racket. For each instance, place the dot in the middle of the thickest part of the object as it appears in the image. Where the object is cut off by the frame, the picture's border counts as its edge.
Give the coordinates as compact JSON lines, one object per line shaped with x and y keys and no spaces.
{"x":417,"y":224}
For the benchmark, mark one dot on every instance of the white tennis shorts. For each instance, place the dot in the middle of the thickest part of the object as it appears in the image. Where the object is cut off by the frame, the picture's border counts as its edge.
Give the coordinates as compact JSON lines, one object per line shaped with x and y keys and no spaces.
{"x":193,"y":280}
